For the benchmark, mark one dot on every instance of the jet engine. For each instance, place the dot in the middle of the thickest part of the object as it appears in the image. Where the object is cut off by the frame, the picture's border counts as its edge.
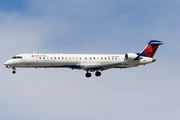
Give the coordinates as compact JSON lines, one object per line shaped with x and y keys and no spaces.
{"x":130,"y":56}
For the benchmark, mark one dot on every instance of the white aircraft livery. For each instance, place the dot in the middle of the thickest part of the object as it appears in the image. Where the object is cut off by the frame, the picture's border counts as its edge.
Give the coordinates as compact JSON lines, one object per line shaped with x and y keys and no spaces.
{"x":88,"y":62}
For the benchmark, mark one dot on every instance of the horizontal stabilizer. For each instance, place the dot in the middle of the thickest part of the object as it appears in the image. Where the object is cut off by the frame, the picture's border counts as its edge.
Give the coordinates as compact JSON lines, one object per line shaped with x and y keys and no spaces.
{"x":155,"y":42}
{"x":169,"y":43}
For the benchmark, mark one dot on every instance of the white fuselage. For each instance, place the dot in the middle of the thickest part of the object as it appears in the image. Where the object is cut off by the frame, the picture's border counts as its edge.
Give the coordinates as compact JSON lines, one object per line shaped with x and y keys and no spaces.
{"x":74,"y":61}
{"x":88,"y":62}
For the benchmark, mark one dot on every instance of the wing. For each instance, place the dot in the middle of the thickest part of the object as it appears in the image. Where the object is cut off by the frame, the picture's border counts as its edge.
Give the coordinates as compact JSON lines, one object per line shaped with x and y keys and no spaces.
{"x":104,"y":66}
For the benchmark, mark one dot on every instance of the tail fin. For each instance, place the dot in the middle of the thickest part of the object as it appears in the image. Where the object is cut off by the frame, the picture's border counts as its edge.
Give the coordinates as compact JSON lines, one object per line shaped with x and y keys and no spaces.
{"x":151,"y":48}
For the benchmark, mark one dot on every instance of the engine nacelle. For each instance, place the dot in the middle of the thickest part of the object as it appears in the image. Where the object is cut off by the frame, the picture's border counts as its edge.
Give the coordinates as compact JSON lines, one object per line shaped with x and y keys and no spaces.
{"x":130,"y":56}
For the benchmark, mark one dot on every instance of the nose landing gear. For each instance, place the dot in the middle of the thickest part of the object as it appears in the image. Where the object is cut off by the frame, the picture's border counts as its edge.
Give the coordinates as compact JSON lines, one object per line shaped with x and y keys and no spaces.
{"x":8,"y":67}
{"x":14,"y":70}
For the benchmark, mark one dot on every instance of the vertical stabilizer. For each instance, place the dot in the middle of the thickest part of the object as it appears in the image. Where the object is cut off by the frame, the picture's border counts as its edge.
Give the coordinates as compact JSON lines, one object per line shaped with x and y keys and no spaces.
{"x":151,"y":48}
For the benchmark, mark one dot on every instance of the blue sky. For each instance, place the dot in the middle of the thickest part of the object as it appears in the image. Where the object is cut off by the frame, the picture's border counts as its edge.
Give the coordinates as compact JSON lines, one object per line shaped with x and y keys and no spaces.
{"x":96,"y":26}
{"x":12,"y":5}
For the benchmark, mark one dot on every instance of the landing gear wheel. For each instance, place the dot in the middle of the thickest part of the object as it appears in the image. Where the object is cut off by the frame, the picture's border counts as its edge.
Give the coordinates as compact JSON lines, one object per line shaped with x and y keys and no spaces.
{"x":13,"y":72}
{"x":88,"y":75}
{"x":98,"y":73}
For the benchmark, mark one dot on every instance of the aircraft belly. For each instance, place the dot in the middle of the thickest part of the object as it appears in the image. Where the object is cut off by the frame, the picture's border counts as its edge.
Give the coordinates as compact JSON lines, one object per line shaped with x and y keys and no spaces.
{"x":52,"y":64}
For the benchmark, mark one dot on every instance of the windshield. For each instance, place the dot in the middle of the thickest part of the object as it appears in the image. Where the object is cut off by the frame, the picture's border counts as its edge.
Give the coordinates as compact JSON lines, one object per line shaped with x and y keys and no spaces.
{"x":17,"y":57}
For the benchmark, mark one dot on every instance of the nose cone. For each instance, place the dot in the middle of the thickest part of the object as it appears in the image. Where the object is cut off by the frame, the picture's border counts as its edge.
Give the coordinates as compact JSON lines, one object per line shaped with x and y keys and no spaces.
{"x":8,"y":63}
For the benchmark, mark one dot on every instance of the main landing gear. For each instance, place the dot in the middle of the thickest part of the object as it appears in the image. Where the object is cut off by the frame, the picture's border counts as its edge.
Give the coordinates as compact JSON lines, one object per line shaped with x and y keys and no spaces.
{"x":98,"y":73}
{"x":14,"y":70}
{"x":89,"y":74}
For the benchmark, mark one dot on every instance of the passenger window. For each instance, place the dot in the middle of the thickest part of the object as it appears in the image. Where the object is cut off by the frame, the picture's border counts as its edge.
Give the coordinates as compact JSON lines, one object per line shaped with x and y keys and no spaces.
{"x":58,"y":57}
{"x":54,"y":57}
{"x":109,"y":58}
{"x":80,"y":58}
{"x":94,"y":58}
{"x":39,"y":57}
{"x":62,"y":57}
{"x":101,"y":58}
{"x":43,"y":57}
{"x":105,"y":58}
{"x":85,"y":57}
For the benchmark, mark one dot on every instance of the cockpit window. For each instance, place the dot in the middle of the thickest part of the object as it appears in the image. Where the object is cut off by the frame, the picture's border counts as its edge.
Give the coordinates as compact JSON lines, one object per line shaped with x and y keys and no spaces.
{"x":17,"y":57}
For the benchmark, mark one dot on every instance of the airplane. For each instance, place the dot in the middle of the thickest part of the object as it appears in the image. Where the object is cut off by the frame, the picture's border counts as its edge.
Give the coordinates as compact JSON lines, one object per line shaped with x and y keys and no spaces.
{"x":87,"y":62}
